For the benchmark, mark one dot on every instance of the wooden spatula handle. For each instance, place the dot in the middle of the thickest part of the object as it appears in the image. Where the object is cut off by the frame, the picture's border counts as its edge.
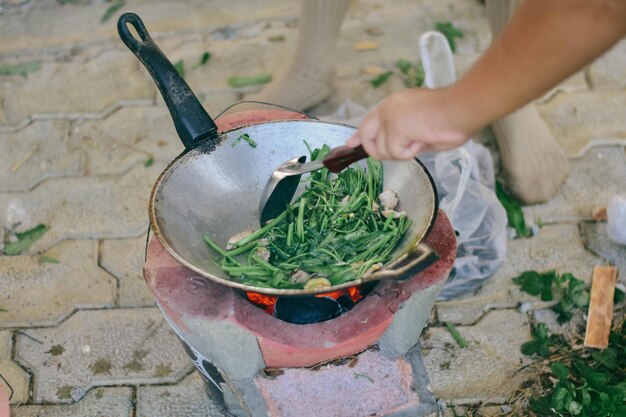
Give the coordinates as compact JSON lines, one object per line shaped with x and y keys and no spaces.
{"x":339,"y":158}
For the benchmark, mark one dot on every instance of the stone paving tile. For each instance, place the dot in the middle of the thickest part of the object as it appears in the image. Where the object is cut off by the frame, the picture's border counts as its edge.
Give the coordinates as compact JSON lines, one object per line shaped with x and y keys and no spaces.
{"x":609,"y":71}
{"x":600,"y":173}
{"x":597,"y":240}
{"x":76,"y":23}
{"x":126,"y":138}
{"x":577,"y":119}
{"x":188,"y":398}
{"x":37,"y":293}
{"x":486,"y":369}
{"x":557,"y":247}
{"x":124,"y":259}
{"x":18,"y":379}
{"x":89,"y":207}
{"x":91,"y":87}
{"x":101,"y":347}
{"x":110,"y":402}
{"x":39,"y":151}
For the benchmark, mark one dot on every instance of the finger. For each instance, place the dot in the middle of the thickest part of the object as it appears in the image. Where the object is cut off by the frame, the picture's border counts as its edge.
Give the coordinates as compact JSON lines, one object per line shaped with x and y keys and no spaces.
{"x":368,"y":130}
{"x":354,"y":140}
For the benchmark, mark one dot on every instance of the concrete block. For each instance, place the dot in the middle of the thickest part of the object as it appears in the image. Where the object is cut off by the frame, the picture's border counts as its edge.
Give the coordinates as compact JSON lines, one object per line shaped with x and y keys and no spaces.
{"x":128,"y":137}
{"x":596,"y":239}
{"x":609,"y":71}
{"x":101,"y":347}
{"x":91,"y":87}
{"x":37,"y":293}
{"x":89,"y":207}
{"x":112,"y":402}
{"x":484,"y":371}
{"x":124,"y":258}
{"x":39,"y":151}
{"x":187,"y":398}
{"x":600,"y":173}
{"x":579,"y":119}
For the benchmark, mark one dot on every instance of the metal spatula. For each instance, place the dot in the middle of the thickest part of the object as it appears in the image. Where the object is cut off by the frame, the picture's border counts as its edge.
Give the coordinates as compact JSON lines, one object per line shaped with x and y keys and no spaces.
{"x":282,"y":185}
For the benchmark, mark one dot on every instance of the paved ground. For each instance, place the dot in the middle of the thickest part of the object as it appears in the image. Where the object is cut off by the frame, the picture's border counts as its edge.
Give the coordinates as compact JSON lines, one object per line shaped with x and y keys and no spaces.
{"x":83,"y":336}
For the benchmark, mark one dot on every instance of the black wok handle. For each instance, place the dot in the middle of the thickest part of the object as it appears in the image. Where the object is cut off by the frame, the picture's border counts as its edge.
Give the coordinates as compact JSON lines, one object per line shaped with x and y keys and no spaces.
{"x":191,"y":121}
{"x":339,"y":158}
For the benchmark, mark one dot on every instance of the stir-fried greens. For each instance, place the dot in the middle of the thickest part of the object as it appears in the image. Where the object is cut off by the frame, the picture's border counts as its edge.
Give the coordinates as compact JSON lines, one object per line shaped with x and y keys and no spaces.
{"x":338,"y":230}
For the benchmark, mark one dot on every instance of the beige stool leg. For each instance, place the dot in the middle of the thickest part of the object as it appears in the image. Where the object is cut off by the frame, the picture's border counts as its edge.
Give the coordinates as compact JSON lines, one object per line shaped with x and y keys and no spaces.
{"x":307,"y":80}
{"x":533,"y":164}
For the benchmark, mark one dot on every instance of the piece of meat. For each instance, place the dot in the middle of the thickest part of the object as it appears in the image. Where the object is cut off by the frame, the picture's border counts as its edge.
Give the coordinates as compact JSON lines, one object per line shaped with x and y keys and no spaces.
{"x":299,"y":277}
{"x":236,"y":238}
{"x":263,"y":253}
{"x":388,"y":199}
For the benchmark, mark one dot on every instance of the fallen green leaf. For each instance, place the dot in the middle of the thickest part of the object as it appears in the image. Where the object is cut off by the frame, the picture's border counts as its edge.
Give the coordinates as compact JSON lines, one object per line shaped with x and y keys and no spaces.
{"x":450,"y":32}
{"x":381,"y":79}
{"x":112,"y":10}
{"x":3,"y":310}
{"x":277,"y":38}
{"x":559,"y":370}
{"x":25,"y":240}
{"x":245,"y":81}
{"x":513,"y":211}
{"x":179,"y":66}
{"x":618,"y":296}
{"x":456,"y":335}
{"x":205,"y":58}
{"x":413,"y":73}
{"x":48,"y":260}
{"x":403,"y":65}
{"x":22,"y":69}
{"x":149,"y":162}
{"x":534,"y":283}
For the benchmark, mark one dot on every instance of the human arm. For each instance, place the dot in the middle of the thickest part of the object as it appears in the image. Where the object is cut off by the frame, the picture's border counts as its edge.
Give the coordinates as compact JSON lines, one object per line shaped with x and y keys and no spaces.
{"x":545,"y":42}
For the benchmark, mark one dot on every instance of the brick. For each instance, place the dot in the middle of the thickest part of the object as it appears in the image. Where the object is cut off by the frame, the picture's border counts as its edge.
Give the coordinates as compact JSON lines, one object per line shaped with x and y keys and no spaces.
{"x":101,"y":347}
{"x":90,"y":207}
{"x":17,"y":378}
{"x":89,"y":87}
{"x":593,"y":178}
{"x":596,"y":239}
{"x":126,"y":138}
{"x":557,"y":247}
{"x":124,"y":259}
{"x":113,"y":402}
{"x":37,"y":293}
{"x":188,"y":398}
{"x":609,"y":71}
{"x":484,"y":371}
{"x":580,"y":119}
{"x":382,"y":385}
{"x":39,"y":151}
{"x":49,"y":25}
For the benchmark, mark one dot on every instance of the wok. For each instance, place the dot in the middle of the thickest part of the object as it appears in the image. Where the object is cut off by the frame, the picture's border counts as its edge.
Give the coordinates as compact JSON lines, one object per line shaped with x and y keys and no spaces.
{"x":213,"y":188}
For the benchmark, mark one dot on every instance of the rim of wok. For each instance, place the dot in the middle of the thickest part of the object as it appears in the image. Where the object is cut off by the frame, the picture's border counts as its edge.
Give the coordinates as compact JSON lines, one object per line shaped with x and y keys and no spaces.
{"x":211,"y":147}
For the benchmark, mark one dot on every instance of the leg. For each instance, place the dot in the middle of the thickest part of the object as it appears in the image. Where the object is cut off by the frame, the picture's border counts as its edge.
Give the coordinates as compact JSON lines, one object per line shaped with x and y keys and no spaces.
{"x":533,"y":164}
{"x":306,"y":81}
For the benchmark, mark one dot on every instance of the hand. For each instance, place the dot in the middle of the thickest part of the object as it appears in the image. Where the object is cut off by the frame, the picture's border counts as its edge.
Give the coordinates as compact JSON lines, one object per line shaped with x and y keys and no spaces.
{"x":409,"y":122}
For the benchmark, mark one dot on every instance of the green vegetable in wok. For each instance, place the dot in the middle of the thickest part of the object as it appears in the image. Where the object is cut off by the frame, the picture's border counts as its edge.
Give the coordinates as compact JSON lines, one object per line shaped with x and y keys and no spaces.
{"x":333,"y":233}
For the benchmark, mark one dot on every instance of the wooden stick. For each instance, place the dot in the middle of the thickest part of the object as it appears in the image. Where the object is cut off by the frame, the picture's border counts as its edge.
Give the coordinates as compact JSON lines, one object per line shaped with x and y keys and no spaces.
{"x":600,"y":307}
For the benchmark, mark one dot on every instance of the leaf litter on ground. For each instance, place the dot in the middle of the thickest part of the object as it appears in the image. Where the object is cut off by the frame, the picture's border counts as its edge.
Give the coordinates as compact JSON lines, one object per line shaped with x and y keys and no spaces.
{"x":112,"y":10}
{"x":25,"y":240}
{"x":579,"y":381}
